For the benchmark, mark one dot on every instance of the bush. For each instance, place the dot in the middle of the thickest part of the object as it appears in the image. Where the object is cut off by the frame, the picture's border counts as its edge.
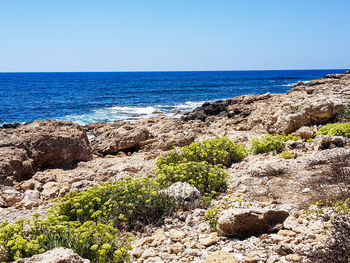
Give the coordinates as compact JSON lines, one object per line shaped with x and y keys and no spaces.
{"x":270,"y":142}
{"x":214,"y":151}
{"x":91,"y":240}
{"x":125,"y":204}
{"x":86,"y":221}
{"x":335,"y":129}
{"x":287,"y":155}
{"x":206,"y":177}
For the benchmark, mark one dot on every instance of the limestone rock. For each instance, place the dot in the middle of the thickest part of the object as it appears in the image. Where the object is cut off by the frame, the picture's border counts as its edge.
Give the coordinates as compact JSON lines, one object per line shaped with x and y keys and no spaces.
{"x":305,"y":132}
{"x":9,"y":197}
{"x":56,"y":255}
{"x":31,"y":199}
{"x":246,"y":222}
{"x":39,"y":145}
{"x":183,"y":193}
{"x":114,"y":140}
{"x":322,"y":142}
{"x":221,"y":257}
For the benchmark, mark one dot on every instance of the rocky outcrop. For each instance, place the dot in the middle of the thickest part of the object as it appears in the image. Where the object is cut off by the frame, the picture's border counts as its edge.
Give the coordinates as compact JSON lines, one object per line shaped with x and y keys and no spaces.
{"x":56,"y":255}
{"x":317,"y":102}
{"x":112,"y":140}
{"x":39,"y":145}
{"x":244,"y":222}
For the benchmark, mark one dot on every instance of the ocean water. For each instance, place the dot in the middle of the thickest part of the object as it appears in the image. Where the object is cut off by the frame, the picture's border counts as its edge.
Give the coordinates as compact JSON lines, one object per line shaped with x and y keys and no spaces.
{"x":106,"y":96}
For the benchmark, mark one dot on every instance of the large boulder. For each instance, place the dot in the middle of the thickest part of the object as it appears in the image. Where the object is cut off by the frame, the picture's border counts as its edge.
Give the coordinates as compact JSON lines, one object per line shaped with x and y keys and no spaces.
{"x":40,"y":145}
{"x":56,"y":255}
{"x":114,"y":140}
{"x":246,"y":222}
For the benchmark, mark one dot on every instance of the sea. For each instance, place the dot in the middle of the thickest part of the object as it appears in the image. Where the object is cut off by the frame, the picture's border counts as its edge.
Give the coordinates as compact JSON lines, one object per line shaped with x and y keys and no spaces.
{"x":86,"y":97}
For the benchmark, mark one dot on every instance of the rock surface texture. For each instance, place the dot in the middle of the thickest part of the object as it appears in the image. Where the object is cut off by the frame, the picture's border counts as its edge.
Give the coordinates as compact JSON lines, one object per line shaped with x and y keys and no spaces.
{"x":40,"y":145}
{"x":56,"y":255}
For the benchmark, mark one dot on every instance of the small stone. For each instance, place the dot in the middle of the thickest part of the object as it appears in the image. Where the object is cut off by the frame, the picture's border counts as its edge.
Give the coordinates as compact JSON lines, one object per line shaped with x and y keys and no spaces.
{"x":221,"y":257}
{"x":176,"y":248}
{"x":286,"y":233}
{"x":293,"y":257}
{"x":176,"y":235}
{"x":136,"y":252}
{"x":306,"y":190}
{"x":210,"y":240}
{"x":153,"y":260}
{"x":158,"y":238}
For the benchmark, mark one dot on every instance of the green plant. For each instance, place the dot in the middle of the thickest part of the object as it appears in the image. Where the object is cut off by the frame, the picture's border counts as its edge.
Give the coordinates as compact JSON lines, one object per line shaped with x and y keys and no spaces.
{"x":296,"y":109}
{"x":270,"y":142}
{"x":287,"y":155}
{"x":206,"y":177}
{"x":125,"y":204}
{"x":335,"y":129}
{"x":212,"y":217}
{"x":214,"y":151}
{"x":91,"y":240}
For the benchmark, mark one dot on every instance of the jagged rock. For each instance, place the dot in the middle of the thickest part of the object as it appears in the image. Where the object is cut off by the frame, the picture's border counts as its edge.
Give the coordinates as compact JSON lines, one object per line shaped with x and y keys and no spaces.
{"x":305,"y":132}
{"x":56,"y":255}
{"x":125,"y":137}
{"x":221,"y":257}
{"x":39,"y":145}
{"x":31,"y":199}
{"x":182,"y":192}
{"x":245,"y":222}
{"x":322,"y":142}
{"x":8,"y":197}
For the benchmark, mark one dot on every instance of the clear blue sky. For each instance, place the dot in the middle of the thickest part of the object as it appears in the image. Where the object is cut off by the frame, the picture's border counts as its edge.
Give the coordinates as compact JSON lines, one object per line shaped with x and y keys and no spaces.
{"x":102,"y":35}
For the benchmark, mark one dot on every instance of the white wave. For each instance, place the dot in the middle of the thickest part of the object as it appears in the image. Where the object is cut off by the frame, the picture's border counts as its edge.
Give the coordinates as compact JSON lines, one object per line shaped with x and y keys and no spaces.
{"x":132,"y":113}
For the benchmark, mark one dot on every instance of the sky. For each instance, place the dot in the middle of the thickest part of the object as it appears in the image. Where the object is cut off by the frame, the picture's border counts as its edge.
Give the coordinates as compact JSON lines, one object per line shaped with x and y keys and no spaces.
{"x":152,"y":35}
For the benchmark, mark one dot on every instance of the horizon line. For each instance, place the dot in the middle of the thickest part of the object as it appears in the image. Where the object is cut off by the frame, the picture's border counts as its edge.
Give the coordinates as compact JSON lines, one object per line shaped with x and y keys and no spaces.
{"x":149,"y":71}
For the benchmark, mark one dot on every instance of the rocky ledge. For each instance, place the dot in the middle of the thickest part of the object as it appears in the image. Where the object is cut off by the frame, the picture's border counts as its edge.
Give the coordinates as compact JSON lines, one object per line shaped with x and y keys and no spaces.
{"x":259,"y":217}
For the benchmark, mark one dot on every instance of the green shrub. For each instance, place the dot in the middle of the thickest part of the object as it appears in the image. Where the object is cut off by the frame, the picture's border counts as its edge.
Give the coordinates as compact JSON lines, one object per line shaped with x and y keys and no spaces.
{"x":206,"y":177}
{"x":123,"y":203}
{"x":270,"y":142}
{"x":91,"y":240}
{"x":214,"y":151}
{"x":335,"y":129}
{"x":287,"y":155}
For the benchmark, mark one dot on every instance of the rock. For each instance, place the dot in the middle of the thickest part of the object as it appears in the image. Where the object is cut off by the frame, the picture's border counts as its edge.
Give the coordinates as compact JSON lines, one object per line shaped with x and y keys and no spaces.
{"x":176,"y":235}
{"x":221,"y":257}
{"x":56,"y":255}
{"x":182,"y":191}
{"x":9,"y":197}
{"x":40,"y":145}
{"x":322,"y":142}
{"x":293,"y":257}
{"x":246,"y":222}
{"x":123,"y":138}
{"x":31,"y":199}
{"x":305,"y":132}
{"x":51,"y":189}
{"x":286,"y":233}
{"x":176,"y":248}
{"x":210,"y":240}
{"x":158,"y":238}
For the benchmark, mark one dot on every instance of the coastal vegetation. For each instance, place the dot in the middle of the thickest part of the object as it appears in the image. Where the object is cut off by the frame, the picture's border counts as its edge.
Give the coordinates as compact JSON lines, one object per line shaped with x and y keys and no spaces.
{"x":335,"y":129}
{"x":270,"y":142}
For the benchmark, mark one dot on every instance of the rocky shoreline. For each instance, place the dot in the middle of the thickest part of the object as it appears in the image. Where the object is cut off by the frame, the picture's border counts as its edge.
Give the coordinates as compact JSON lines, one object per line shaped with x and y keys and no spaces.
{"x":43,"y":160}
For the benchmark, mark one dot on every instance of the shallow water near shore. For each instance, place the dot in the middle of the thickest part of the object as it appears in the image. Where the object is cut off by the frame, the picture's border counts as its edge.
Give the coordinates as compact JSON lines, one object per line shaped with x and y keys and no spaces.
{"x":107,"y":96}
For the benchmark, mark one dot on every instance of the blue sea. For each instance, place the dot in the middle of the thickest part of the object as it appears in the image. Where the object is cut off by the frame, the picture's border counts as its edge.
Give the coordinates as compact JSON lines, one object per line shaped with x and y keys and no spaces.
{"x":107,"y":96}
